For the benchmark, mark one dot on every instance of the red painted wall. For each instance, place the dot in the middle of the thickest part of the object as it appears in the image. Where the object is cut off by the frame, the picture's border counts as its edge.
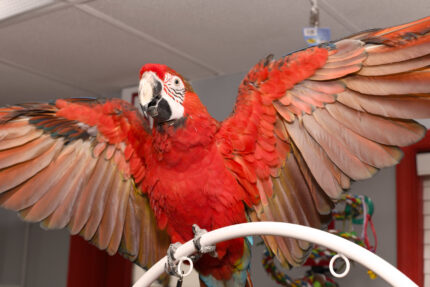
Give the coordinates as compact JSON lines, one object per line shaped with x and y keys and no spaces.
{"x":89,"y":266}
{"x":410,"y":213}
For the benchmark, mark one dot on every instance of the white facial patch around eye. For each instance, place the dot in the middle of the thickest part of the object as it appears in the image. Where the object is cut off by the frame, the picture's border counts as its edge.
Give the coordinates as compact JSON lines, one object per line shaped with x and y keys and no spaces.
{"x":177,"y":109}
{"x":174,"y":87}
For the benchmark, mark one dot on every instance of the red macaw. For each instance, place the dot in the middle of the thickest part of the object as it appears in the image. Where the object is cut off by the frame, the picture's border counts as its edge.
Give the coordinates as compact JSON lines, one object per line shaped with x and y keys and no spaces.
{"x":303,"y":128}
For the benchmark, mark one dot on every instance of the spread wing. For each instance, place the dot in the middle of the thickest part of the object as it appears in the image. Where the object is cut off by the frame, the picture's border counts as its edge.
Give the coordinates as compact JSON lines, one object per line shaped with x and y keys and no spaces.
{"x":308,"y":124}
{"x":78,"y":164}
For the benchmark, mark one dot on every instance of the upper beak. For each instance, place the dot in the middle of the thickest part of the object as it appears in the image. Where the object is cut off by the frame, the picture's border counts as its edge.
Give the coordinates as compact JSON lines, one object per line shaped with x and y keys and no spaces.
{"x":149,"y":89}
{"x":152,"y":103}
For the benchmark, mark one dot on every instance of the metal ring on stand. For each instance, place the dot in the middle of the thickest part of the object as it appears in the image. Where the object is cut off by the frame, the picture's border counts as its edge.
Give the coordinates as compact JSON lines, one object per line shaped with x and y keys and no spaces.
{"x":180,"y":261}
{"x":347,"y":266}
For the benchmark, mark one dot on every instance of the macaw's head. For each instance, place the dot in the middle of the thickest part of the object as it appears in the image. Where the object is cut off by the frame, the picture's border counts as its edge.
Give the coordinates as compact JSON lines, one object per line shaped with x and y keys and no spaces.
{"x":162,"y":93}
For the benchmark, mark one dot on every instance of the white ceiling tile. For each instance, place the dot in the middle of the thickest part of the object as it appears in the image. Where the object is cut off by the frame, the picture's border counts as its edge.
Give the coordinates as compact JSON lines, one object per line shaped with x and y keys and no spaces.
{"x":230,"y":35}
{"x":84,"y":51}
{"x":17,"y":86}
{"x":381,"y":13}
{"x":71,"y":46}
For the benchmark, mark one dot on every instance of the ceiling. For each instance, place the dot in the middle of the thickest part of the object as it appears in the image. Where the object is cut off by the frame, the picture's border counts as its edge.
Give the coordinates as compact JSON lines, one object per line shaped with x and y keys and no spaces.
{"x":95,"y":48}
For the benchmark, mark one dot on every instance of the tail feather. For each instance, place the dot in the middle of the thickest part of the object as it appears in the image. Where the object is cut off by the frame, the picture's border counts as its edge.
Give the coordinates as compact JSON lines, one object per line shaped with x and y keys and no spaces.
{"x":248,"y":280}
{"x":240,"y":276}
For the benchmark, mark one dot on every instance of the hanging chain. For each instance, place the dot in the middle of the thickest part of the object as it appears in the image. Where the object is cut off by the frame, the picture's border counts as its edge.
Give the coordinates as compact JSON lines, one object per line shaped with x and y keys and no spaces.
{"x":180,"y":281}
{"x":314,"y":20}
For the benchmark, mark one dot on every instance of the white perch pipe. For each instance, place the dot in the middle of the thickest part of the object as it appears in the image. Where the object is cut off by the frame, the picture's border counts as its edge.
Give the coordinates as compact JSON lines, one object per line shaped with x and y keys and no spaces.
{"x":343,"y":246}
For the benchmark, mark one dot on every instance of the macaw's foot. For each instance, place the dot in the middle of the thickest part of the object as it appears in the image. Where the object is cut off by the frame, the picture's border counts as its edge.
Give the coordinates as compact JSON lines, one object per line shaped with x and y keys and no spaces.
{"x":171,"y":265}
{"x":198,"y":232}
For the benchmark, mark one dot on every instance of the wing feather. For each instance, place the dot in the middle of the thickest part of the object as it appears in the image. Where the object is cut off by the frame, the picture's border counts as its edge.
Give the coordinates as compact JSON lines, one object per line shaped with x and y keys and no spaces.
{"x":68,"y":165}
{"x":98,"y":205}
{"x":8,"y":143}
{"x":58,"y":186}
{"x":383,"y":54}
{"x":340,"y":155}
{"x":107,"y":224}
{"x":401,"y":107}
{"x":120,"y":219}
{"x":322,"y":168}
{"x":396,"y":68}
{"x":62,"y":215}
{"x":15,"y":129}
{"x":342,"y":110}
{"x":320,"y":199}
{"x":24,"y":153}
{"x":366,"y":150}
{"x":346,"y":49}
{"x":396,"y":132}
{"x":86,"y":199}
{"x":23,"y":196}
{"x":398,"y":84}
{"x":129,"y":244}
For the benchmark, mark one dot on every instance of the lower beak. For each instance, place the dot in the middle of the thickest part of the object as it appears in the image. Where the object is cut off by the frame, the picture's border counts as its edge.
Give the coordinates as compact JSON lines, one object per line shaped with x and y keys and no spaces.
{"x":152,"y":111}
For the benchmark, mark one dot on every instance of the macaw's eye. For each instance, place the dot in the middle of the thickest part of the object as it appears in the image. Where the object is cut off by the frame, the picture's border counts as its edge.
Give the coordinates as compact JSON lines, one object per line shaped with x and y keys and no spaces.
{"x":173,"y":81}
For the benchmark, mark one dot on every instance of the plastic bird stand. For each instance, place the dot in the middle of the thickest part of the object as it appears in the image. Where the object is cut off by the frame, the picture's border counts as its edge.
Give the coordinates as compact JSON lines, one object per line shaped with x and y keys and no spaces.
{"x":342,"y":246}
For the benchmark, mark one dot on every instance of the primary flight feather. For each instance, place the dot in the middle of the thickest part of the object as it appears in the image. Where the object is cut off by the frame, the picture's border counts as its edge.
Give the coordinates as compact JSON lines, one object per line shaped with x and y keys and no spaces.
{"x":304,"y":127}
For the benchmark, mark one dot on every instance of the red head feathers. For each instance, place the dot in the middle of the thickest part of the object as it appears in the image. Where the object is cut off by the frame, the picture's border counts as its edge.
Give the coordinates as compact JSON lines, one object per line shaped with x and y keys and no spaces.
{"x":161,"y":70}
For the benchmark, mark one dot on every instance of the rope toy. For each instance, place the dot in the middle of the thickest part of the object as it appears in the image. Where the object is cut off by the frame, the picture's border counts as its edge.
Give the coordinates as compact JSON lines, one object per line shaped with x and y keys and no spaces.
{"x":357,"y":210}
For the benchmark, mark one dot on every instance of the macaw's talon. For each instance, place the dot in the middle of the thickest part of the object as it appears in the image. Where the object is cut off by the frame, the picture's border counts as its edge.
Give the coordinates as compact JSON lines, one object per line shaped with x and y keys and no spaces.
{"x":198,"y":232}
{"x":171,"y":265}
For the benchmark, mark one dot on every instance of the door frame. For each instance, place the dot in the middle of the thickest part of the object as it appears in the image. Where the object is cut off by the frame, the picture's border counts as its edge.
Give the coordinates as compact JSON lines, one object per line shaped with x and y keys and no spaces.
{"x":410,"y":235}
